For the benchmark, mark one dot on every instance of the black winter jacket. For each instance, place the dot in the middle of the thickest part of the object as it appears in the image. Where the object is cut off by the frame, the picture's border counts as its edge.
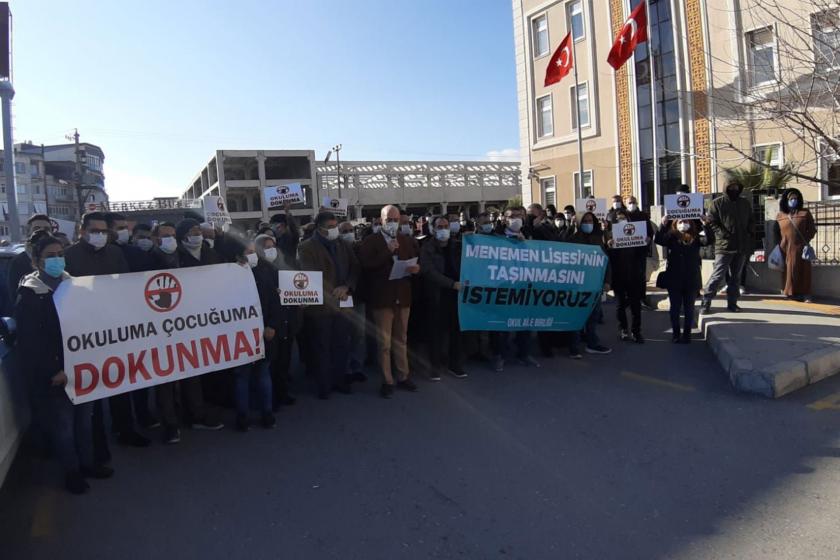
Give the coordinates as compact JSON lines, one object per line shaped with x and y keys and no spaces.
{"x":683,"y":269}
{"x":39,"y":341}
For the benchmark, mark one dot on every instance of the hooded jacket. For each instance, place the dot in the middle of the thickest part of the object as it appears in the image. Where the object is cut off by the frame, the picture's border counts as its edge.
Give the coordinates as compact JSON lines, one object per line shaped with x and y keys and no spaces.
{"x":733,"y":224}
{"x":594,"y":238}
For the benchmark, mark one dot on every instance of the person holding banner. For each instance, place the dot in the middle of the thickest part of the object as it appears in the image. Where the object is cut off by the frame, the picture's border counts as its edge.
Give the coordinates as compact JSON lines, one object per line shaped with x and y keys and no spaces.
{"x":21,"y":265}
{"x":628,"y":272}
{"x":390,"y":300}
{"x":41,"y":347}
{"x":682,"y":275}
{"x":590,"y":233}
{"x":616,"y":207}
{"x":440,"y":261}
{"x":328,"y":325}
{"x":287,"y":232}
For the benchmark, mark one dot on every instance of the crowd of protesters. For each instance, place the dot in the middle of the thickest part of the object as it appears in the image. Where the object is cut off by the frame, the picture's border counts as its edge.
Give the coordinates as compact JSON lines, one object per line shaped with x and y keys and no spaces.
{"x":402,"y":327}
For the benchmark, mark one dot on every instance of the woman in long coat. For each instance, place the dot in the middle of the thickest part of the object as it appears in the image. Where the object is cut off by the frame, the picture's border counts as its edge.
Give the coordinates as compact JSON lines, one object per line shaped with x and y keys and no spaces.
{"x":795,"y":228}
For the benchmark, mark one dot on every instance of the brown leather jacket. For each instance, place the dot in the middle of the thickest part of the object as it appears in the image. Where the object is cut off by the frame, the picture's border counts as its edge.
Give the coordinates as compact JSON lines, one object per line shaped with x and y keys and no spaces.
{"x":376,"y":260}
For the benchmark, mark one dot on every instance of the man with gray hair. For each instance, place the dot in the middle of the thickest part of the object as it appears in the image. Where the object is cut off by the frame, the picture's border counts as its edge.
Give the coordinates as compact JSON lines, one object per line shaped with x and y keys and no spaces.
{"x":390,"y":300}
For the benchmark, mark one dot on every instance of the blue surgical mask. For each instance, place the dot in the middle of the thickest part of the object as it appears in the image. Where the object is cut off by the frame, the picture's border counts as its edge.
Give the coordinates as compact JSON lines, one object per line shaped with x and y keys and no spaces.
{"x":54,"y":266}
{"x":587,"y":228}
{"x":442,"y":234}
{"x":793,"y":202}
{"x":144,"y":243}
{"x":454,"y":227}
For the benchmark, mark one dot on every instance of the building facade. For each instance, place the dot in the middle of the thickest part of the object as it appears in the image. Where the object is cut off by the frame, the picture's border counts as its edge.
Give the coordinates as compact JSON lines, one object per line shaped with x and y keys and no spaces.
{"x":721,"y":69}
{"x":241,"y":176}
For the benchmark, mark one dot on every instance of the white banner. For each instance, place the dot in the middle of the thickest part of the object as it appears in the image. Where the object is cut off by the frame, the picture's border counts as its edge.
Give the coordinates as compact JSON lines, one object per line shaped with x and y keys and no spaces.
{"x":216,"y":212}
{"x":684,"y":206}
{"x":66,"y":227}
{"x":337,"y":206}
{"x":301,"y":287}
{"x":275,"y":197}
{"x":597,"y":206}
{"x":629,"y":234}
{"x":127,"y":331}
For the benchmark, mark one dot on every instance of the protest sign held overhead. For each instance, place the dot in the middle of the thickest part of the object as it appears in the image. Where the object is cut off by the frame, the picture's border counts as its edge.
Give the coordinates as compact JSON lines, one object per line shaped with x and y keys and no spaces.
{"x":156,"y":327}
{"x":629,"y":234}
{"x":216,"y":212}
{"x":337,"y":206}
{"x":510,"y":285}
{"x":301,"y":287}
{"x":597,"y":206}
{"x":275,"y":197}
{"x":684,"y":206}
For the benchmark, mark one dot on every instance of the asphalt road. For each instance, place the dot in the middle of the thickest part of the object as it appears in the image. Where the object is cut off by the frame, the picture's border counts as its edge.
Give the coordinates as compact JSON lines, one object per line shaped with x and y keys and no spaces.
{"x":645,"y":453}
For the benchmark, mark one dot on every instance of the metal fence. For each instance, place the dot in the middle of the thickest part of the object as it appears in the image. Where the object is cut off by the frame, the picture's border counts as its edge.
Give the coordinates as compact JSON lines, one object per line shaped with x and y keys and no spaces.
{"x":827,"y":242}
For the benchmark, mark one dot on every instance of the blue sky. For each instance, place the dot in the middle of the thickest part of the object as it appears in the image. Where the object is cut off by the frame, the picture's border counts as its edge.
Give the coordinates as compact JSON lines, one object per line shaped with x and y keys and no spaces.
{"x":160,"y":85}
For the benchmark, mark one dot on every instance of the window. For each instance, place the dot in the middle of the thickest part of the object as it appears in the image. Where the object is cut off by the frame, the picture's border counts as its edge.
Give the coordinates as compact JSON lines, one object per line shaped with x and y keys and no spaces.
{"x":545,"y":117}
{"x":93,"y":162}
{"x":539,"y":34}
{"x":587,"y":184}
{"x":583,"y":102}
{"x":833,"y":177}
{"x":4,"y":231}
{"x":826,"y":29}
{"x":762,"y":56}
{"x":575,"y":15}
{"x":769,"y":153}
{"x":20,"y":168}
{"x":549,"y":190}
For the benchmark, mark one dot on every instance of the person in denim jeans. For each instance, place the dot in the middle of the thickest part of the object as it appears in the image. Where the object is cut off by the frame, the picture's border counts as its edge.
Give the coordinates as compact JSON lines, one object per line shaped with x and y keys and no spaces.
{"x":590,"y":233}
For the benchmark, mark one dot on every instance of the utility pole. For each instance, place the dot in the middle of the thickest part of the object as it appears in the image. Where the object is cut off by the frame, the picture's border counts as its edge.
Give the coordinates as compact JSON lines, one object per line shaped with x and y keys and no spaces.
{"x":44,"y":173}
{"x":79,"y":173}
{"x":337,"y":150}
{"x":7,"y":92}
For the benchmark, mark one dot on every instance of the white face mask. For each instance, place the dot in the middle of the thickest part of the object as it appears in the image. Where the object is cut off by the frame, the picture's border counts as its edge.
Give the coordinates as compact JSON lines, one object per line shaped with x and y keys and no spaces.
{"x":98,"y":240}
{"x":405,"y":229}
{"x":454,"y":227}
{"x":144,"y":244}
{"x":560,"y":223}
{"x":332,"y":234}
{"x":210,"y":241}
{"x":568,"y":217}
{"x":632,"y":206}
{"x":683,"y":227}
{"x":390,"y":228}
{"x":514,"y":224}
{"x":270,"y":254}
{"x":376,"y":228}
{"x":442,"y":234}
{"x":349,"y":237}
{"x":193,"y":241}
{"x":168,"y":245}
{"x":122,"y":236}
{"x":616,"y":205}
{"x":253,"y":259}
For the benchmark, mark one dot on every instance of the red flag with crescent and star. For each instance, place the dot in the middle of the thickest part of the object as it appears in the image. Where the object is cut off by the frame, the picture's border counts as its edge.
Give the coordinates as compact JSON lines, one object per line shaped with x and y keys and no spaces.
{"x":633,"y":32}
{"x":561,"y":62}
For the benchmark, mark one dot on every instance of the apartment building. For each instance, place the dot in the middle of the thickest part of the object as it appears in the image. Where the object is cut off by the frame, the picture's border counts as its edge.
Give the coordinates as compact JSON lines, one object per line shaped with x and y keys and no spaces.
{"x":721,"y":69}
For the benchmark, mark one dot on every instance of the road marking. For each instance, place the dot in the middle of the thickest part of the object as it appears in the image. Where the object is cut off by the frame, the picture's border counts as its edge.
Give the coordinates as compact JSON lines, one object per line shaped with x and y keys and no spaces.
{"x":657,"y":382}
{"x":831,"y":402}
{"x":43,"y":521}
{"x":820,"y":307}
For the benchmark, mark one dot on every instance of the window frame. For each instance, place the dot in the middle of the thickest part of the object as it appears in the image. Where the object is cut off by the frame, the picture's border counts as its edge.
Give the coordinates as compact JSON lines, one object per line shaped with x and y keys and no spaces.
{"x":569,"y":16}
{"x":535,"y":36}
{"x":781,"y":153}
{"x":544,"y":190}
{"x":539,"y":132}
{"x":774,"y":45}
{"x":581,"y":194}
{"x":818,"y":67}
{"x":573,"y":97}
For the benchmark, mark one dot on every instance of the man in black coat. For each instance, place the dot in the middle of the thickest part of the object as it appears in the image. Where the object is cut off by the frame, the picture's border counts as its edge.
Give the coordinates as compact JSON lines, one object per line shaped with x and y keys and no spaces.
{"x":287,"y":233}
{"x":21,"y":265}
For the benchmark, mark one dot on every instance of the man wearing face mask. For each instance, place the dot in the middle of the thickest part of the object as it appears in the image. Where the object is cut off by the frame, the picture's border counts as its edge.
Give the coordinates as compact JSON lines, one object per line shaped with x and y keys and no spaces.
{"x":358,"y":346}
{"x":287,"y":232}
{"x":405,"y":224}
{"x":328,"y":325}
{"x":165,"y":249}
{"x":617,"y":205}
{"x":731,"y":219}
{"x":390,"y":300}
{"x":21,"y":265}
{"x":571,"y":220}
{"x":191,"y":248}
{"x":440,"y":261}
{"x":636,"y":214}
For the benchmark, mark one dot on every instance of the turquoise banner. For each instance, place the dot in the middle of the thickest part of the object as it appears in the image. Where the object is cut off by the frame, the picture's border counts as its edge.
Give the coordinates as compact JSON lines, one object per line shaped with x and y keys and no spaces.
{"x":512,"y":285}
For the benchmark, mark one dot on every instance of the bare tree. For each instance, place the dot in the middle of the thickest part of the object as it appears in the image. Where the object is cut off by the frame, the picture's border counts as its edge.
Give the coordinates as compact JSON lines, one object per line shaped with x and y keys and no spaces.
{"x":789,"y":83}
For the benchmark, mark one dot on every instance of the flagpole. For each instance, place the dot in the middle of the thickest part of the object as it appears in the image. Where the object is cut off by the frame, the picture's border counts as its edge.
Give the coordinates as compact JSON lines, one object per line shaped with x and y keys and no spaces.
{"x":656,"y":187}
{"x":579,"y":194}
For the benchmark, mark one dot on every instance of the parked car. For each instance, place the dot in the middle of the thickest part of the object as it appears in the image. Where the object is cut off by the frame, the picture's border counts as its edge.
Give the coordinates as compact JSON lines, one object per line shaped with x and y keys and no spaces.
{"x":14,"y":410}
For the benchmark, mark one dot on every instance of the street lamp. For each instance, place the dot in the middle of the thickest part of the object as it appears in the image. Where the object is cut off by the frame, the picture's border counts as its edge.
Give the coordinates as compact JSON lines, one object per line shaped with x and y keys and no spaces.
{"x":337,"y":150}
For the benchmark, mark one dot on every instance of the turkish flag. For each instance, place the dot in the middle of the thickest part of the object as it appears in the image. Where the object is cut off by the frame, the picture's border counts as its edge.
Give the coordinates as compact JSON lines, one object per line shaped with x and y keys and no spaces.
{"x":633,"y":32}
{"x":561,"y":62}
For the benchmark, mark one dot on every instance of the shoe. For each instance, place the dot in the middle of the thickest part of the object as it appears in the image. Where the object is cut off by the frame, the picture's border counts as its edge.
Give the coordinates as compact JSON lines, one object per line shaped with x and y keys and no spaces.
{"x":624,"y":335}
{"x":675,"y":337}
{"x":686,"y":338}
{"x":598,"y":349}
{"x":705,"y":307}
{"x":638,"y":338}
{"x":807,"y":299}
{"x":498,"y":364}
{"x":386,"y":391}
{"x":75,"y":483}
{"x":647,"y":305}
{"x":97,"y":471}
{"x":733,"y":308}
{"x":243,"y":424}
{"x":133,"y":439}
{"x":211,"y":425}
{"x":171,"y":435}
{"x":344,"y":389}
{"x":458,"y":372}
{"x":528,"y":361}
{"x":407,"y":385}
{"x":358,"y":377}
{"x":743,"y":291}
{"x":434,"y":376}
{"x":575,"y":354}
{"x":268,"y":421}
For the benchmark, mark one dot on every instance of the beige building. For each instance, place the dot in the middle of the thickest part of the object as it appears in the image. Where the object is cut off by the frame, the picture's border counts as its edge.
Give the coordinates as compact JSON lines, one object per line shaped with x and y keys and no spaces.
{"x":727,"y":76}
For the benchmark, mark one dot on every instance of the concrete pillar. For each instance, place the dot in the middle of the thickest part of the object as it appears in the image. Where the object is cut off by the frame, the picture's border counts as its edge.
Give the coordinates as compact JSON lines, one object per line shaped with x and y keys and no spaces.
{"x":481,"y":205}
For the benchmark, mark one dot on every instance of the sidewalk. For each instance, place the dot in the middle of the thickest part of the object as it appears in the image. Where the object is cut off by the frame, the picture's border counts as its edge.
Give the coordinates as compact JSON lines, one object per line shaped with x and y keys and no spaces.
{"x":773,"y":346}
